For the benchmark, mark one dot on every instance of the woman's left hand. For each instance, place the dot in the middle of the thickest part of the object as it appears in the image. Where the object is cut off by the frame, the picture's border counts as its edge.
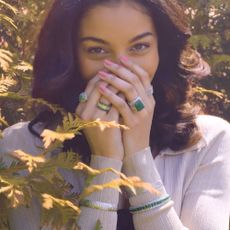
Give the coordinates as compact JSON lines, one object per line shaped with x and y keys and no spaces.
{"x":132,"y":81}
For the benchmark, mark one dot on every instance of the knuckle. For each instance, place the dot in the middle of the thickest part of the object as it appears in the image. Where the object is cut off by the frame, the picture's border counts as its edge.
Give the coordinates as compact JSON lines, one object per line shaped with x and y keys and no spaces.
{"x":131,"y":89}
{"x":111,"y":77}
{"x":84,"y":116}
{"x":135,"y":79}
{"x":121,"y":103}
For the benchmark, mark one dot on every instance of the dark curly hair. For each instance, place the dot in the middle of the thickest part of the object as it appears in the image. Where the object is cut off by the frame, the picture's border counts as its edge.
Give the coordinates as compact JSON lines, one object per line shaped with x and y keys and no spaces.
{"x":57,"y":78}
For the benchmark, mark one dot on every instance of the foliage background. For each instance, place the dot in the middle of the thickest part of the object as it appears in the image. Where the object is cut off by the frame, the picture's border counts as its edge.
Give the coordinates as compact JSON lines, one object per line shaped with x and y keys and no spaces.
{"x":20,"y":22}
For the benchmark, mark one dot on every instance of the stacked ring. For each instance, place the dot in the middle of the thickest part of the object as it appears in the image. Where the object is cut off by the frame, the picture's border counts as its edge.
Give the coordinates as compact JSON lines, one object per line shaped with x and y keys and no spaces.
{"x":83,"y":97}
{"x":137,"y":104}
{"x":103,"y":106}
{"x":149,"y":91}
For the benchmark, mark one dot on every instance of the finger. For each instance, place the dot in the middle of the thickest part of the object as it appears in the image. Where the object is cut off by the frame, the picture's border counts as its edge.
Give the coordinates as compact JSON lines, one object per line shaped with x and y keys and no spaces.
{"x":88,"y":110}
{"x":88,"y":90}
{"x":103,"y":99}
{"x":121,"y":85}
{"x":138,"y":70}
{"x":118,"y":102}
{"x":124,"y":74}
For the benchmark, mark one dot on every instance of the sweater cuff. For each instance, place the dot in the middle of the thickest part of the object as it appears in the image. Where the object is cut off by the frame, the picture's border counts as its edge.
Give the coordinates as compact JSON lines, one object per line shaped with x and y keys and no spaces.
{"x":107,"y":195}
{"x":142,"y":165}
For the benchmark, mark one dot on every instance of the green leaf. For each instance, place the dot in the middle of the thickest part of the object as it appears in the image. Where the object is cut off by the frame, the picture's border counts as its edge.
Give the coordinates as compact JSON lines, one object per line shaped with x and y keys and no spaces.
{"x":98,"y":225}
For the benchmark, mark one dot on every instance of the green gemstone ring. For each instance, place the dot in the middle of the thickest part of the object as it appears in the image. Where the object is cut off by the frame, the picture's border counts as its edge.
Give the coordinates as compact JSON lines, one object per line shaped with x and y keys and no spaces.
{"x":83,"y":97}
{"x":137,"y":104}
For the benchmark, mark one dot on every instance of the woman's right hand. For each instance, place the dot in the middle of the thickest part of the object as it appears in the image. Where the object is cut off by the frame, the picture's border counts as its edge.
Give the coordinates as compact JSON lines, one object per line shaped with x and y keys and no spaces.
{"x":106,"y":143}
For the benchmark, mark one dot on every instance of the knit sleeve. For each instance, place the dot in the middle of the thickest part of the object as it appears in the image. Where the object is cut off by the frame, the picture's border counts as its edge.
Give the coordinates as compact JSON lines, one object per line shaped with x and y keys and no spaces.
{"x":206,"y":200}
{"x":142,"y":164}
{"x":89,"y":216}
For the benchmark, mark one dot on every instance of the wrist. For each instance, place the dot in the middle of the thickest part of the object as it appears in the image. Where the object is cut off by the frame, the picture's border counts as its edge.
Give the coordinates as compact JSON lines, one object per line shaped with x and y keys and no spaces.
{"x":107,"y":195}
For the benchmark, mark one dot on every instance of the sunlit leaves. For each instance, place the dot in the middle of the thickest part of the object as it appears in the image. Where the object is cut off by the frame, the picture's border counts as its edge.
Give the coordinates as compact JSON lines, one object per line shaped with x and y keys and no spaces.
{"x":50,"y":136}
{"x":5,"y":59}
{"x":71,"y":126}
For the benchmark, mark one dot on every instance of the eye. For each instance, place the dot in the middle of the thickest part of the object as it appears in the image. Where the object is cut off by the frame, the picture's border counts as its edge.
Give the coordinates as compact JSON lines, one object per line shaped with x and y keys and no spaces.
{"x":96,"y":50}
{"x":141,"y":47}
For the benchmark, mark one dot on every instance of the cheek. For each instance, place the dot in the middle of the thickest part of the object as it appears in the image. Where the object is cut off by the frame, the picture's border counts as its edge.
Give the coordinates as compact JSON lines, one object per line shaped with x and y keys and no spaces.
{"x":152,"y":64}
{"x":89,"y":68}
{"x":149,"y":63}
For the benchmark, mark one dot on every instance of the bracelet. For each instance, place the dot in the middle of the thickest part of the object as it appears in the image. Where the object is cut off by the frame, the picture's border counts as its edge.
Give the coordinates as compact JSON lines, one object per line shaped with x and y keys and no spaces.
{"x":150,"y":205}
{"x":98,"y":205}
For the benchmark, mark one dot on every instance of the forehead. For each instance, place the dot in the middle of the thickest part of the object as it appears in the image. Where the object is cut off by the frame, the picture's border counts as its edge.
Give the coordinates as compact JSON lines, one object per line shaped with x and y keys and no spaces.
{"x":113,"y":21}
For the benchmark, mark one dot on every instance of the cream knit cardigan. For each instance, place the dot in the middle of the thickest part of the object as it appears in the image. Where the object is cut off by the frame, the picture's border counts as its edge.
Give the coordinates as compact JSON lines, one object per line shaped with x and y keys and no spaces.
{"x":197,"y":179}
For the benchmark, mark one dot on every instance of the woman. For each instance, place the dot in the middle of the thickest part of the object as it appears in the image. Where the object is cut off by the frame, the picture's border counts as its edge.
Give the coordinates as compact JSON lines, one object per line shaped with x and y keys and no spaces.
{"x":103,"y":59}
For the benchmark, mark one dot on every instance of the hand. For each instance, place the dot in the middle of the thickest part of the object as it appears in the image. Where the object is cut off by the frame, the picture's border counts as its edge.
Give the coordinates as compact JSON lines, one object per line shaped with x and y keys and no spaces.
{"x":132,"y":81}
{"x":106,"y":143}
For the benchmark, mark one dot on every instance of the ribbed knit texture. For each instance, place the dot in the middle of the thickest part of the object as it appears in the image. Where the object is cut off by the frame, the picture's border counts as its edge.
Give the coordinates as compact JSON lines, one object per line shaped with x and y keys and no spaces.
{"x":197,"y":179}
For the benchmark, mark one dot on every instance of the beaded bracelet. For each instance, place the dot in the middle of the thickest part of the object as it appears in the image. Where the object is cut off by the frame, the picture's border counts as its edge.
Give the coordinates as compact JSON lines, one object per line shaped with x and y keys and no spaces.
{"x":98,"y":205}
{"x":150,"y":205}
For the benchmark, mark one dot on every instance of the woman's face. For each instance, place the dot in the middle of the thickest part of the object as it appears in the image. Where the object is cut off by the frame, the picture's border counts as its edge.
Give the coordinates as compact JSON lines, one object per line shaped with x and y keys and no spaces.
{"x":110,"y":31}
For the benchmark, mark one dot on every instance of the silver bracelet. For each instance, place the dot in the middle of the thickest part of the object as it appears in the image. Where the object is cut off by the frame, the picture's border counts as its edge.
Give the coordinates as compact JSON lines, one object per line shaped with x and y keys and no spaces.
{"x":98,"y":205}
{"x":151,"y":205}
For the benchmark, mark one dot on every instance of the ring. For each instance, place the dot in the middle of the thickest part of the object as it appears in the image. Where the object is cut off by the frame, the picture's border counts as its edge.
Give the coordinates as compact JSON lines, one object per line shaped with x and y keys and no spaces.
{"x":103,"y":106}
{"x":83,"y":97}
{"x":149,"y":91}
{"x":137,"y":104}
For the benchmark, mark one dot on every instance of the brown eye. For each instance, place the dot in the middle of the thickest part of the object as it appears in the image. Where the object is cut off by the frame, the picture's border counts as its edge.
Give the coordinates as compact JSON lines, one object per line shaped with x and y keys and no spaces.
{"x":96,"y":50}
{"x":141,"y":47}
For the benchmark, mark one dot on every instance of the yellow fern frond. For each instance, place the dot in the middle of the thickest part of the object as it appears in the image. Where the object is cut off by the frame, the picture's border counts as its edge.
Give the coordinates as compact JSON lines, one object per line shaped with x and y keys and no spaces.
{"x":24,"y":66}
{"x":6,"y":83}
{"x":49,"y":201}
{"x":2,"y":120}
{"x":50,"y":136}
{"x":218,"y":94}
{"x":10,"y":7}
{"x":31,"y":161}
{"x":5,"y":58}
{"x":132,"y":183}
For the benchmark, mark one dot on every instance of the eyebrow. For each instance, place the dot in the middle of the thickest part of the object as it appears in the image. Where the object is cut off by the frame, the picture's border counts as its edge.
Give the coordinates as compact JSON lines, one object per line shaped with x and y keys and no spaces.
{"x":99,"y":40}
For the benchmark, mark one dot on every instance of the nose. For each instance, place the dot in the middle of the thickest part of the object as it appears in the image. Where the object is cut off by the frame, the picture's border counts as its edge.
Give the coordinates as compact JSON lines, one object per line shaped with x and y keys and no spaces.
{"x":116,"y":58}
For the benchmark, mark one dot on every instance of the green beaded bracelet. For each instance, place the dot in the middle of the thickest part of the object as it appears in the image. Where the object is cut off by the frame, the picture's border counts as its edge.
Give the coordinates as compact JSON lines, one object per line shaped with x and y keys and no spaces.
{"x":151,"y":205}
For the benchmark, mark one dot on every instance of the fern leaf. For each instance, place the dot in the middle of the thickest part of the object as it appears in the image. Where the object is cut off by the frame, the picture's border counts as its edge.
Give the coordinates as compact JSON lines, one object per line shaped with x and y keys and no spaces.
{"x":98,"y":225}
{"x":31,"y":161}
{"x":50,"y":136}
{"x":24,"y":66}
{"x":7,"y":19}
{"x":5,"y":58}
{"x":59,"y":212}
{"x":10,"y":7}
{"x":6,"y":83}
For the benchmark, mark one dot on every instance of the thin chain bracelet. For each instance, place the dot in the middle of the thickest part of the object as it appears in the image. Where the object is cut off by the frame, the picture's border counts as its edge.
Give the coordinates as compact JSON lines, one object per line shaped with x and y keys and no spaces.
{"x":150,"y":205}
{"x":98,"y":205}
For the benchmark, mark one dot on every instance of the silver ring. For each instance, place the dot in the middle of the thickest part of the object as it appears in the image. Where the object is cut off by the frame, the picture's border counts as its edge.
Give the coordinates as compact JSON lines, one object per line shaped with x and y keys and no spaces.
{"x":83,"y":97}
{"x":104,"y":107}
{"x":149,"y":91}
{"x":137,"y":104}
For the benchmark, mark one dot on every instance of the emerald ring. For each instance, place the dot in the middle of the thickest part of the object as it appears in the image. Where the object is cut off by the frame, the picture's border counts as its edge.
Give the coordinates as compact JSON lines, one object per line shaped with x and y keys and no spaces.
{"x":137,"y":104}
{"x":83,"y":97}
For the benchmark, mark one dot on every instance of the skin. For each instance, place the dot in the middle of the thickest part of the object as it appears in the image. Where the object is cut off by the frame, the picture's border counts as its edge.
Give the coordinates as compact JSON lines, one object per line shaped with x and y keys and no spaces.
{"x":130,"y":72}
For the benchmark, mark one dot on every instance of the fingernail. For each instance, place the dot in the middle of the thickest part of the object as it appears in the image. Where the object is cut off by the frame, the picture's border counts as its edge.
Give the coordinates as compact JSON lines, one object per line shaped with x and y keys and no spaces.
{"x":109,"y":63}
{"x":102,"y":88}
{"x":124,"y":59}
{"x":103,"y":74}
